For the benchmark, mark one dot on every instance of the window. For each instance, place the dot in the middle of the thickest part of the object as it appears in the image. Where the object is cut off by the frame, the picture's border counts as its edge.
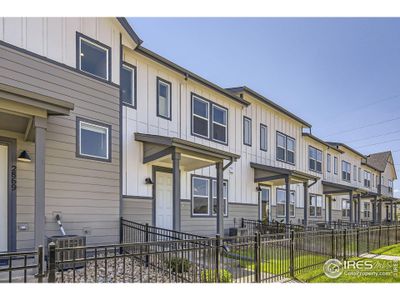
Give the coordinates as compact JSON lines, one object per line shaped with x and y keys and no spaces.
{"x":390,"y":186}
{"x":201,"y":123}
{"x":219,"y":124}
{"x":359,"y":174}
{"x":328,"y":163}
{"x":367,"y":210}
{"x":346,"y":171}
{"x":128,"y":84}
{"x":355,"y":173}
{"x":314,"y":159}
{"x":263,"y":137}
{"x":285,"y":148}
{"x":163,"y":99}
{"x":247,"y":131}
{"x":382,"y":180}
{"x":281,"y":203}
{"x":204,"y":192}
{"x":373,"y":180}
{"x":367,"y":179}
{"x":93,"y":57}
{"x":345,"y":208}
{"x":315,"y":206}
{"x":93,"y":140}
{"x":335,"y":165}
{"x":200,"y":196}
{"x":214,"y":198}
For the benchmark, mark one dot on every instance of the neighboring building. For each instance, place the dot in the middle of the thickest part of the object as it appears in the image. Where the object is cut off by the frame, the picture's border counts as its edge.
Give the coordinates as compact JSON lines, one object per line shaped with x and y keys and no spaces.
{"x":94,"y":127}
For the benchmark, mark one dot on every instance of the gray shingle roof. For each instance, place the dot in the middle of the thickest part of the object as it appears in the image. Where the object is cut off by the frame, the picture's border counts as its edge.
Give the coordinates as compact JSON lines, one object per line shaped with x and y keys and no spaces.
{"x":378,"y":160}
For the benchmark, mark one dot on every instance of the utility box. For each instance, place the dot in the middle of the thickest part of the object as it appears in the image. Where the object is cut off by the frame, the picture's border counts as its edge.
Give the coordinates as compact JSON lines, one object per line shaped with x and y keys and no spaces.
{"x":68,"y":256}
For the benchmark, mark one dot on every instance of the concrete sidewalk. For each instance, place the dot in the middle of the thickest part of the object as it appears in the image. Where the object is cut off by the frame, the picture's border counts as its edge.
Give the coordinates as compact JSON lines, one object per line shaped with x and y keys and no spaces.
{"x":379,"y":256}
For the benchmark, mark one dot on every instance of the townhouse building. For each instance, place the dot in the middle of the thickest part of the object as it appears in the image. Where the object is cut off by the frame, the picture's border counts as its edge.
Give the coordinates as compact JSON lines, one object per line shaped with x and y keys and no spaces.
{"x":94,"y":127}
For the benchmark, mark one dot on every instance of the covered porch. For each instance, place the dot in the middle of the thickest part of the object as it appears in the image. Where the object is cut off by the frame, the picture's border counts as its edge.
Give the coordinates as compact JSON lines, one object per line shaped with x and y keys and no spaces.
{"x":174,"y":155}
{"x":264,"y":174}
{"x":23,"y":122}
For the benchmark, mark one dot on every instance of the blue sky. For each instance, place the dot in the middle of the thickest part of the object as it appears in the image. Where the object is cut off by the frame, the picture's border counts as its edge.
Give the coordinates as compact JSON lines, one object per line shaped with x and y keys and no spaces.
{"x":340,"y":75}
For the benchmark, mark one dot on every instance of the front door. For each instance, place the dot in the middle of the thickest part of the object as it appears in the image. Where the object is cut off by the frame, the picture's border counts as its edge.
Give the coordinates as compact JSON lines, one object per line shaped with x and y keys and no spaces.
{"x":164,"y":200}
{"x":265,"y":204}
{"x":3,"y":198}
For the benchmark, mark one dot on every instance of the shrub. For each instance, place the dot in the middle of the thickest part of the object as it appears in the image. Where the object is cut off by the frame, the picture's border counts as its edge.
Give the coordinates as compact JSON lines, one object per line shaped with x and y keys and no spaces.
{"x":178,"y":264}
{"x":209,"y":275}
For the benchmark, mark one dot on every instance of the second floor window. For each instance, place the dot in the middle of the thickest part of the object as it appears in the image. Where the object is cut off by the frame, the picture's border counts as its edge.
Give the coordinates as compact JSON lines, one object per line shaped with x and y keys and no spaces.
{"x":335,"y":165}
{"x":285,"y":148}
{"x":263,"y":137}
{"x":247,"y":131}
{"x":315,"y":206}
{"x":359,"y":174}
{"x":93,"y":57}
{"x":314,"y":159}
{"x":328,"y":163}
{"x":355,"y":173}
{"x":128,"y":85}
{"x":346,"y":171}
{"x":209,"y":120}
{"x":390,"y":186}
{"x":367,"y":179}
{"x":163,"y":99}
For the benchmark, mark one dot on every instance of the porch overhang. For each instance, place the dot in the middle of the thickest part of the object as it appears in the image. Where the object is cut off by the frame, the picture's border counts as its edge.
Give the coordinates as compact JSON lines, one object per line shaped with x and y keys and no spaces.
{"x":276,"y":176}
{"x":158,"y":150}
{"x":331,"y":188}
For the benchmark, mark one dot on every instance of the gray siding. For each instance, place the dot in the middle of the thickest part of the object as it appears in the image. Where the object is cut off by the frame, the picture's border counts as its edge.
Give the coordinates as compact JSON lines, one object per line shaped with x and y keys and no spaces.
{"x":86,"y":192}
{"x":138,"y":210}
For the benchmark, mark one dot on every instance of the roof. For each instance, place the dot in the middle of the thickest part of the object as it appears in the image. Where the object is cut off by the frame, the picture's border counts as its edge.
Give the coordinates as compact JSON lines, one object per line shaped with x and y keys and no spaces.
{"x":189,"y":75}
{"x":321,"y":141}
{"x":268,"y":102}
{"x":283,"y":171}
{"x":336,"y":144}
{"x":378,"y":160}
{"x":125,"y":24}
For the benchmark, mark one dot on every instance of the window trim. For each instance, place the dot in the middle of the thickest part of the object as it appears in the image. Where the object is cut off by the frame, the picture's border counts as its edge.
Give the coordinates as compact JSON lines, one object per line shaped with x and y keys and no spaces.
{"x":328,"y":163}
{"x":209,"y":120}
{"x":159,"y":79}
{"x":347,"y":201}
{"x":335,"y":165}
{"x":316,"y":205}
{"x":348,"y":164}
{"x":266,"y":137}
{"x":210,"y":197}
{"x":251,"y":131}
{"x":78,"y":153}
{"x":134,"y":83}
{"x":354,"y":173}
{"x":367,"y":181}
{"x":79,"y":37}
{"x":286,"y":149}
{"x":276,"y":204}
{"x":212,"y":123}
{"x":316,"y":160}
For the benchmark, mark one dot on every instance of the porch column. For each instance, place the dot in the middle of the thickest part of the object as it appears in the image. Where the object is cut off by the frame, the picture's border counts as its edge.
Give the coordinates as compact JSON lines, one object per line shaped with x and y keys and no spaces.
{"x":391,"y":211}
{"x":359,"y":209}
{"x":374,"y":210}
{"x":287,"y":187}
{"x":305,"y":187}
{"x":220,"y":198}
{"x":395,"y":211}
{"x":380,"y":211}
{"x":351,"y":206}
{"x":330,"y":209}
{"x":176,"y":191}
{"x":40,"y":125}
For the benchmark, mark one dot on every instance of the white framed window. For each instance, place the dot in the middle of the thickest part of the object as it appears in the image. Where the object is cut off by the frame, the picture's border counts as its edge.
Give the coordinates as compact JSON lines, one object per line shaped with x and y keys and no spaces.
{"x":315,"y":206}
{"x":93,"y":57}
{"x":128,"y":84}
{"x":345,"y":208}
{"x":335,"y":165}
{"x":200,"y":196}
{"x":314,"y":159}
{"x":214,"y":197}
{"x":328,"y":163}
{"x":285,"y":148}
{"x":390,"y":185}
{"x":93,"y":140}
{"x":367,"y":179}
{"x":281,"y":203}
{"x":247,"y":131}
{"x":200,"y":120}
{"x":359,"y":174}
{"x":346,"y":171}
{"x":263,"y":137}
{"x":219,"y":124}
{"x":164,"y":101}
{"x":367,"y":209}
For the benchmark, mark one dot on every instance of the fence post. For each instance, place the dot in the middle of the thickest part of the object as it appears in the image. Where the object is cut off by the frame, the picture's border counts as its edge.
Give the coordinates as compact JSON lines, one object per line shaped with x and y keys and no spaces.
{"x":121,"y":232}
{"x":40,"y":273}
{"x":379,"y":236}
{"x":388,"y":235}
{"x":146,"y":239}
{"x":358,"y":241}
{"x":333,"y":243}
{"x":396,"y":234}
{"x":217,"y":253}
{"x":242,"y":222}
{"x":291,"y":267}
{"x":344,"y":243}
{"x":52,"y":263}
{"x":368,"y":239}
{"x":257,"y":256}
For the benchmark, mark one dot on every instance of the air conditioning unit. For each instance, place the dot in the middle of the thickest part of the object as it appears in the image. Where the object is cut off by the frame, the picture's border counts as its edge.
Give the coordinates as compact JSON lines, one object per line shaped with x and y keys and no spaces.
{"x":68,"y":241}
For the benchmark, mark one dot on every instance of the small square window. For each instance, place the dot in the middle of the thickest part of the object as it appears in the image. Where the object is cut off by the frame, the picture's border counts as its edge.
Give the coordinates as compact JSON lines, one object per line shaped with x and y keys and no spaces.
{"x":128,"y":85}
{"x":93,"y":57}
{"x":93,"y":140}
{"x":163,"y":99}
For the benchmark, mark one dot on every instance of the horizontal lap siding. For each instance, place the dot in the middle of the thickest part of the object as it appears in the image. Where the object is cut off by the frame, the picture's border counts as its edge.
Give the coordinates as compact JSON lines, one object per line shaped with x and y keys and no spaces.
{"x":137,"y":210}
{"x":86,"y":192}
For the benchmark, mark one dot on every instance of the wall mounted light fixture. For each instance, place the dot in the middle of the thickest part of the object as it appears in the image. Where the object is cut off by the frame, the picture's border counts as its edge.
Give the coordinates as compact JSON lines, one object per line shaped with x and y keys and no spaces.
{"x":148,"y":180}
{"x":24,"y":156}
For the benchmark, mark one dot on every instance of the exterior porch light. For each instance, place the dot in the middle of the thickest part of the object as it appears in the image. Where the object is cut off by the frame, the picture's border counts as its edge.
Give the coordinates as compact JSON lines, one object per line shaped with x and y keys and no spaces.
{"x":24,"y":156}
{"x":148,"y":180}
{"x":258,"y":189}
